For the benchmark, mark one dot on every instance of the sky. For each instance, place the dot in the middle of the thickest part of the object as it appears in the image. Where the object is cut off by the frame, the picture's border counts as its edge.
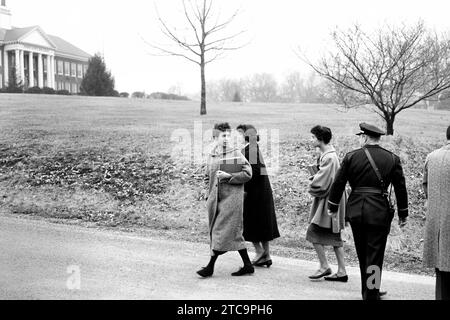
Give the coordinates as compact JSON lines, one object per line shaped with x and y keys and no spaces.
{"x":274,"y":30}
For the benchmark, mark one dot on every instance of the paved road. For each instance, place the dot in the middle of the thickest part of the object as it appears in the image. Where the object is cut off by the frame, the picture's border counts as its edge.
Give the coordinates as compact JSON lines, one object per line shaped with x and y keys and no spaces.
{"x":35,"y":257}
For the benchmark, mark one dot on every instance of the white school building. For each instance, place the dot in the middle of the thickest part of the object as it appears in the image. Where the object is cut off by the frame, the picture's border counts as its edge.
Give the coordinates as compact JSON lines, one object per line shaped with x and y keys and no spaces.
{"x":38,"y":59}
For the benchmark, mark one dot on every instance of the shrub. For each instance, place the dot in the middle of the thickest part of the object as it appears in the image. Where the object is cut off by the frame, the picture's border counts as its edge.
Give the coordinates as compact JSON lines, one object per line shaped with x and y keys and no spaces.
{"x":14,"y":85}
{"x":63,"y":92}
{"x":124,"y":94}
{"x":166,"y":96}
{"x":14,"y":89}
{"x":48,"y":90}
{"x":138,"y":94}
{"x":237,"y":97}
{"x":34,"y":90}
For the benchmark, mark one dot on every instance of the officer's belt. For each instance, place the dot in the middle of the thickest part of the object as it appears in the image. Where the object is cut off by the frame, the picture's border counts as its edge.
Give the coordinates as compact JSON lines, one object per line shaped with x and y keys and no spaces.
{"x":368,"y":190}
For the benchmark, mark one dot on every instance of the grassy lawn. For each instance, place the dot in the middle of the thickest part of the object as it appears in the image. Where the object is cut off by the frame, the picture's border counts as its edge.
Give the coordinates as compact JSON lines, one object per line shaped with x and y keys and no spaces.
{"x":109,"y":161}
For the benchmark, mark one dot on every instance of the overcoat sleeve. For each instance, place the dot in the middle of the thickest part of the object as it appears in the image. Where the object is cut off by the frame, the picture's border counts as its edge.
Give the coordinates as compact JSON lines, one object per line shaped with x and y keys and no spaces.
{"x":243,"y":176}
{"x":338,"y":186}
{"x":207,"y":178}
{"x":322,"y":180}
{"x":398,"y":180}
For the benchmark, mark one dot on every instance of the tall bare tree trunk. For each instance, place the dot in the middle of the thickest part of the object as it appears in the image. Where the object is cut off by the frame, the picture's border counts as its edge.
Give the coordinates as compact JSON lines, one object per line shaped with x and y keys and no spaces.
{"x":207,"y":38}
{"x":390,"y":119}
{"x":203,"y":93}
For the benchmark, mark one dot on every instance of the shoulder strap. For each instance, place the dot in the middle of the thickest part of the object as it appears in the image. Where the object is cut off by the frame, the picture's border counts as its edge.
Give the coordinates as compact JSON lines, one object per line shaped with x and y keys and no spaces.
{"x":375,"y":168}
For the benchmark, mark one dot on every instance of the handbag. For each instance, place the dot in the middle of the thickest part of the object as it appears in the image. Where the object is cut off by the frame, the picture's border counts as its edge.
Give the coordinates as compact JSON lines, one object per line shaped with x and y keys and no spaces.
{"x":386,"y":194}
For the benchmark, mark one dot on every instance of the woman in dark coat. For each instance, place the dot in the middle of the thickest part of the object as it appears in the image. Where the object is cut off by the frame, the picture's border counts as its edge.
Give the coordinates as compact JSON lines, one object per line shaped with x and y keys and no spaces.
{"x":260,"y":222}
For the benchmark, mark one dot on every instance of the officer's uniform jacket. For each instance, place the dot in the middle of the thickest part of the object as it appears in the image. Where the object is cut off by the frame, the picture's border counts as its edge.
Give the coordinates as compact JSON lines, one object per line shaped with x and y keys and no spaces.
{"x":370,"y":207}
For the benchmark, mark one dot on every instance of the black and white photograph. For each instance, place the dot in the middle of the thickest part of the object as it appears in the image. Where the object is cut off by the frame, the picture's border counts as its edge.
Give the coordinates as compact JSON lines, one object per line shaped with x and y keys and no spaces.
{"x":225,"y":155}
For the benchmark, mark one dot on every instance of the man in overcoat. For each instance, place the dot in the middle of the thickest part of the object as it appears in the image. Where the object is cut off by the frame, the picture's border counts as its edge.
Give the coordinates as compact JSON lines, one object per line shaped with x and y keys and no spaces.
{"x":436,"y":183}
{"x":368,"y":207}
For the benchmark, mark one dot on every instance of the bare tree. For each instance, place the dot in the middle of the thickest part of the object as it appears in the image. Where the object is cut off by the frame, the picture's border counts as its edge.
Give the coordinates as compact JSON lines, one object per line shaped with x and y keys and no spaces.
{"x":393,"y":69}
{"x":262,"y":87}
{"x":226,"y":89}
{"x":206,"y":39}
{"x":214,"y":91}
{"x":293,"y":88}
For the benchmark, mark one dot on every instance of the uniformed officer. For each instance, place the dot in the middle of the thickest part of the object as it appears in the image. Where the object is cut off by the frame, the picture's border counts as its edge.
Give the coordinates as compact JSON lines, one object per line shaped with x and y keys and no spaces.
{"x":368,"y":207}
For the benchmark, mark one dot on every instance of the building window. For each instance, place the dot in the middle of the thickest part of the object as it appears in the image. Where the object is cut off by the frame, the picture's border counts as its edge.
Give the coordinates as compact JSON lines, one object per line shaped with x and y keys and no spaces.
{"x":74,"y":88}
{"x":85,"y":69}
{"x":73,"y":68}
{"x":60,"y":67}
{"x":80,"y":70}
{"x":1,"y":80}
{"x":67,"y":86}
{"x":67,"y":68}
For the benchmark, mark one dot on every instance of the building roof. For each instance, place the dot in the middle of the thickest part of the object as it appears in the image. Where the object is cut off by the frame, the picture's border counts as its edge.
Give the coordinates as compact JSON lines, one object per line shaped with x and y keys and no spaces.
{"x":61,"y":46}
{"x":16,"y":33}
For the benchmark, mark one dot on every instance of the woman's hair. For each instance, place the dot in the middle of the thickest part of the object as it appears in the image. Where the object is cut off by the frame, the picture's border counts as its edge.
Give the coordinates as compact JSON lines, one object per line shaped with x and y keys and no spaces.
{"x":220,"y":127}
{"x":249,"y":131}
{"x":322,"y":133}
{"x":448,"y":133}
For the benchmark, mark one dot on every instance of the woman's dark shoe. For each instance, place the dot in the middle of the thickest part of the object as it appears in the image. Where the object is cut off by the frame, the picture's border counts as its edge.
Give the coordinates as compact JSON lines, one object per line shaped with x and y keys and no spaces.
{"x":337,"y":278}
{"x":320,"y":274}
{"x":261,"y":259}
{"x":246,"y":269}
{"x":266,"y":263}
{"x":205,"y":272}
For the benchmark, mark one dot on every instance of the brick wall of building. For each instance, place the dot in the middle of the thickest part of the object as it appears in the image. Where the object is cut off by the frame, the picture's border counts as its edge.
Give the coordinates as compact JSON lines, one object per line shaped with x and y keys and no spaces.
{"x":69,"y":74}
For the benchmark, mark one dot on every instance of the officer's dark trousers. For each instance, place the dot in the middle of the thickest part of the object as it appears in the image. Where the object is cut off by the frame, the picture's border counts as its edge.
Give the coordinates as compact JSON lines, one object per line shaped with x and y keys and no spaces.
{"x":442,"y":285}
{"x":370,"y":243}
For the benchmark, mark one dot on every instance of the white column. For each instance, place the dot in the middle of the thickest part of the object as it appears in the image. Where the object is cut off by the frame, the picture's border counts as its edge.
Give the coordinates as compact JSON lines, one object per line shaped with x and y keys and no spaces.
{"x":49,"y":71}
{"x":55,"y":73}
{"x":17,"y":57}
{"x":22,"y":67}
{"x":40,"y":71}
{"x":6,"y":67}
{"x":31,"y":69}
{"x":52,"y":72}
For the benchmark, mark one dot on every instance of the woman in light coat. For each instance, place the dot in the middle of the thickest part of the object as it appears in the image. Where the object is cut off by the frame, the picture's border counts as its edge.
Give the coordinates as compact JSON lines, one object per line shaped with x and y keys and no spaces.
{"x":324,"y":229}
{"x":225,"y":202}
{"x":436,"y":183}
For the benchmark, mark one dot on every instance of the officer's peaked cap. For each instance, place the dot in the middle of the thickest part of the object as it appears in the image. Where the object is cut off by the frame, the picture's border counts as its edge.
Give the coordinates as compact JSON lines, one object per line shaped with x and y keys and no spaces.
{"x":370,"y":130}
